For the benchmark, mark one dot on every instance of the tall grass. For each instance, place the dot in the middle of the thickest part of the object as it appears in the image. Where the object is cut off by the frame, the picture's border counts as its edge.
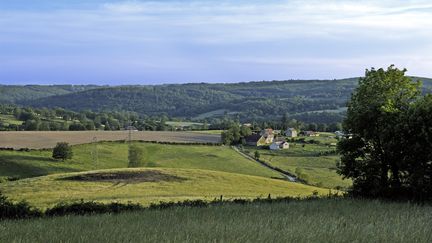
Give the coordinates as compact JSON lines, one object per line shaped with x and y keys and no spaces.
{"x":331,"y":220}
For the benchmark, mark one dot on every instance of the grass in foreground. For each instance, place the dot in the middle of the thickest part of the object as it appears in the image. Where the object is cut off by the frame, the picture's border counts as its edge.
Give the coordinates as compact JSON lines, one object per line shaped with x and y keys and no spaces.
{"x":172,"y":185}
{"x":115,"y":155}
{"x":330,"y":220}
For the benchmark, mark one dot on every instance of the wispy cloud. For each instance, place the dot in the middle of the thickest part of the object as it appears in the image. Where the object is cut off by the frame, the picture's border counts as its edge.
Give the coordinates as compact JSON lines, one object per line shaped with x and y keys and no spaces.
{"x":180,"y":36}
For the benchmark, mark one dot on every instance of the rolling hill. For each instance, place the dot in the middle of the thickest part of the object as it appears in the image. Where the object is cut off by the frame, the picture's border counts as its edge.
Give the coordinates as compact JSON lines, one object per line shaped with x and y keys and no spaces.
{"x":155,"y":185}
{"x":306,"y":100}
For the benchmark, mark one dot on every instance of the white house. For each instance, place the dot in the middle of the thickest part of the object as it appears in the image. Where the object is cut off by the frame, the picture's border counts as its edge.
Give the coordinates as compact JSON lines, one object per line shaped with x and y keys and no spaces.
{"x":274,"y":146}
{"x":291,"y":132}
{"x":279,"y":145}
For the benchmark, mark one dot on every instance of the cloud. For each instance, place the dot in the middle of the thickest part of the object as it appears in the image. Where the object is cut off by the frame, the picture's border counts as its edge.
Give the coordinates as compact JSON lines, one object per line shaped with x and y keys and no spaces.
{"x":215,"y":34}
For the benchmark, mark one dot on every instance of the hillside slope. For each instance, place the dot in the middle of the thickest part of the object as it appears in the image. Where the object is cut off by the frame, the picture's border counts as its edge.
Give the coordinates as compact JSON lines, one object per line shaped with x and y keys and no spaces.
{"x":155,"y":185}
{"x":16,"y":93}
{"x":252,"y":100}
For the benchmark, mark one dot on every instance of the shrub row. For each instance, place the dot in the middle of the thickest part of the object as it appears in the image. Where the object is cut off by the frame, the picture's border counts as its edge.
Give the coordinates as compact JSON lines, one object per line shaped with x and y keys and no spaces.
{"x":23,"y":210}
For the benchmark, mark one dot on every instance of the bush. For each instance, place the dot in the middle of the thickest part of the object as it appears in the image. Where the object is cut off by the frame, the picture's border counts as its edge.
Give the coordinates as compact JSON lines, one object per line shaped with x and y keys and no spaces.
{"x":62,"y":151}
{"x":84,"y":208}
{"x":10,"y":210}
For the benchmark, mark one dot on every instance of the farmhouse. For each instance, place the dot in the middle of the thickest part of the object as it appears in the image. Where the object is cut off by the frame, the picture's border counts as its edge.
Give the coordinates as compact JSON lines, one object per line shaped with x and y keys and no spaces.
{"x":281,"y":144}
{"x":259,"y":140}
{"x":291,"y":133}
{"x":253,"y":140}
{"x":267,"y":132}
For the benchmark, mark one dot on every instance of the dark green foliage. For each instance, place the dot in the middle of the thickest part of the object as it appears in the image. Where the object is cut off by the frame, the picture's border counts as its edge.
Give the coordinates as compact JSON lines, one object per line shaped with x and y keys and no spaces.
{"x":135,"y":156}
{"x":389,"y":153}
{"x":85,"y":208}
{"x":250,"y":101}
{"x":62,"y":151}
{"x":257,"y":155}
{"x":10,"y":210}
{"x":14,"y":93}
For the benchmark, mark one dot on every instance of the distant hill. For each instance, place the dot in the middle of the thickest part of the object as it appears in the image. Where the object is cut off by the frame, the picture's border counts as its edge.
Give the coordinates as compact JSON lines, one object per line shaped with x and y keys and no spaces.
{"x":16,"y":93}
{"x":307,"y":100}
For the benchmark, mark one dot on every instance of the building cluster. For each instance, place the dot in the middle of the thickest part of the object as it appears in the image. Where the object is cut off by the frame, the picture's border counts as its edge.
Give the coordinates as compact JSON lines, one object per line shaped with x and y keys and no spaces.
{"x":276,"y":139}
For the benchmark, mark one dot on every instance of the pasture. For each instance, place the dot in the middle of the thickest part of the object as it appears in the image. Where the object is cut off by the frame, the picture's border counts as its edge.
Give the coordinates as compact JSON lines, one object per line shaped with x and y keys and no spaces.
{"x":123,"y":185}
{"x":307,"y":160}
{"x":48,"y":139}
{"x":329,"y":220}
{"x":23,"y":164}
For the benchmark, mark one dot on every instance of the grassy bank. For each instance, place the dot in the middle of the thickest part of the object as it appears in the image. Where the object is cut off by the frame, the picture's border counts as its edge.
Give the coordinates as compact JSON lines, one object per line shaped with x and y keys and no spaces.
{"x":330,"y":220}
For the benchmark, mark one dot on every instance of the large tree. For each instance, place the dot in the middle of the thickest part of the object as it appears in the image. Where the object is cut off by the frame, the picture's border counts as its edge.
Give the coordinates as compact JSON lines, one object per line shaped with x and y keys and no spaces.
{"x":375,"y":157}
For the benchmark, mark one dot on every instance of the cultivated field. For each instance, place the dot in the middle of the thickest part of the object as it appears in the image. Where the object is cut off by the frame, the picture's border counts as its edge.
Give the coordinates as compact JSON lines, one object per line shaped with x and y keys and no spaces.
{"x":330,"y":220}
{"x":48,"y":139}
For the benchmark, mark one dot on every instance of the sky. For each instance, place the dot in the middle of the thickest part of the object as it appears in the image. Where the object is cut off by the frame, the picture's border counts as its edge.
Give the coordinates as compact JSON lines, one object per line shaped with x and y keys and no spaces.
{"x":153,"y":42}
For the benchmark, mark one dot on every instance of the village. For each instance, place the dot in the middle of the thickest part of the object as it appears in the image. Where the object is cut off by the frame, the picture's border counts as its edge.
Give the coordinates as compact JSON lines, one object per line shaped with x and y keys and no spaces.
{"x":280,"y":139}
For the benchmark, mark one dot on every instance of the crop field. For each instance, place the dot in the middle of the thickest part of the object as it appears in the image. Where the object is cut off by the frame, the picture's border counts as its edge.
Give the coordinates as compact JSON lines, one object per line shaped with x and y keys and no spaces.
{"x":329,"y":220}
{"x":110,"y":155}
{"x":38,"y":140}
{"x":156,"y":185}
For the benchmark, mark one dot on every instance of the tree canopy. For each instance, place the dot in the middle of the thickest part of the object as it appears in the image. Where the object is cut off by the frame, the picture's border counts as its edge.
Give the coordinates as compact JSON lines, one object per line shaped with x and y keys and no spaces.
{"x":390,"y":125}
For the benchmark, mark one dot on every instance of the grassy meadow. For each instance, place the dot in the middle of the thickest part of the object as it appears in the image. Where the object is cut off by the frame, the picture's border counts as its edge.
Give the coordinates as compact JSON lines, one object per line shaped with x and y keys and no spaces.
{"x":307,"y":161}
{"x":329,"y":220}
{"x":208,"y":172}
{"x":21,"y":164}
{"x":46,"y":191}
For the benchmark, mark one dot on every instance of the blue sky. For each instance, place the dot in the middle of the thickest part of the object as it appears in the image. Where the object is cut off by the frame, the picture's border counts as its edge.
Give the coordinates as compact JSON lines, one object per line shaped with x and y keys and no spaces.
{"x":150,"y":42}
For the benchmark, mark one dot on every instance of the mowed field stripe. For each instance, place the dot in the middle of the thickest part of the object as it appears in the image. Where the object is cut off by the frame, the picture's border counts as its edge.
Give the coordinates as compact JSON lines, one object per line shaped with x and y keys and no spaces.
{"x":44,"y":139}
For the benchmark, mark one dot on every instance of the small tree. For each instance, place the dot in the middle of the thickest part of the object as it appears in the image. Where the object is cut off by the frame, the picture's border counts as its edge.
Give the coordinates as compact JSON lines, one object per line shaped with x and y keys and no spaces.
{"x":62,"y":151}
{"x":135,"y":156}
{"x":257,"y":155}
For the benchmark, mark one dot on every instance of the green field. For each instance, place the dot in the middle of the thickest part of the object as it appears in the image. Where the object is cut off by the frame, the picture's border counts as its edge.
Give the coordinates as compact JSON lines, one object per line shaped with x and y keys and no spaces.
{"x":306,"y":161}
{"x":9,"y":119}
{"x":216,"y":132}
{"x":327,"y":220}
{"x":209,"y":171}
{"x":47,"y":191}
{"x":183,"y":124}
{"x":114,"y":155}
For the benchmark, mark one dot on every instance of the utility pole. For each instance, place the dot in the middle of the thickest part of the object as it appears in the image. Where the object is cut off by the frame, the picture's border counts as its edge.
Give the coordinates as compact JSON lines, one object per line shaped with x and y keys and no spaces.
{"x":95,"y":153}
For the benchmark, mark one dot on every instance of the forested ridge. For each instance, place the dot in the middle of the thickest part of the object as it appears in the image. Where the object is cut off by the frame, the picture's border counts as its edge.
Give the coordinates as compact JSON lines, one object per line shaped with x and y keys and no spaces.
{"x":306,"y":100}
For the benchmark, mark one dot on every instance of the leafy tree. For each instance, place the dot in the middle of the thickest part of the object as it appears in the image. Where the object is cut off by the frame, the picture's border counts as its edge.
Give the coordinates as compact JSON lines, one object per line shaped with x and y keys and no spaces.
{"x":135,"y":156}
{"x":227,"y":137}
{"x":245,"y":131}
{"x":62,"y":151}
{"x":373,"y":157}
{"x":77,"y":127}
{"x":257,"y":155}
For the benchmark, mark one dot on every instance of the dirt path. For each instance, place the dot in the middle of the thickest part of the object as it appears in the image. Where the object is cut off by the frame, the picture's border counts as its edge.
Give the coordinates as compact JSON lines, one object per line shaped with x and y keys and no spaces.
{"x":287,"y":175}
